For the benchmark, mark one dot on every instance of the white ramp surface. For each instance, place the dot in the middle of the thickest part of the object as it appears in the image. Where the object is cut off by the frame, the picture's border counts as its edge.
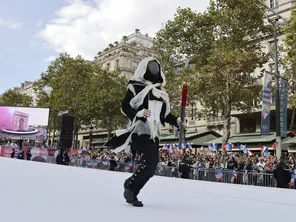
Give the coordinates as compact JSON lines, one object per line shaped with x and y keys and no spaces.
{"x":39,"y":192}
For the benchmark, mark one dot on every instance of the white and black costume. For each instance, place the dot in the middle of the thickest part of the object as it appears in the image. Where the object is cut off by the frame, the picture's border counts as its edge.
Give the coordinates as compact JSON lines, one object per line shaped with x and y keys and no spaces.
{"x":144,"y":92}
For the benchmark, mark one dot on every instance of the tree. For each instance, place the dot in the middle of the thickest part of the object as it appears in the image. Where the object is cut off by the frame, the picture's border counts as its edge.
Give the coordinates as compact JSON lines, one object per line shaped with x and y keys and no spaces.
{"x":223,"y":46}
{"x":92,"y":94}
{"x":15,"y":98}
{"x":172,"y":71}
{"x":289,"y":62}
{"x":46,"y":100}
{"x":68,"y":79}
{"x":108,"y":90}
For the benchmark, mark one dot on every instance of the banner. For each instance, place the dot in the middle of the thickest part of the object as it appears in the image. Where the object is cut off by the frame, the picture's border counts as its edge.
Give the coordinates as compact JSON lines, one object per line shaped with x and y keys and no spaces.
{"x":283,"y":107}
{"x":266,"y":102}
{"x":23,"y":123}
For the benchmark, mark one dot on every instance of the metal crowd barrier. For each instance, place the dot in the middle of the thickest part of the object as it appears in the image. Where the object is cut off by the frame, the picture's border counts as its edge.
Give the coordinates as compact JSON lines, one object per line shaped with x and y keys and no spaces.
{"x":254,"y":178}
{"x":101,"y":165}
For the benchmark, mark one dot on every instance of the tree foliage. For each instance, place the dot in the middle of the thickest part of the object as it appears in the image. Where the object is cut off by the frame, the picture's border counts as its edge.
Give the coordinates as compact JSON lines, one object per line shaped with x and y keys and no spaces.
{"x":67,"y":77}
{"x":224,"y":49}
{"x":108,"y":90}
{"x":15,"y":98}
{"x":89,"y":92}
{"x":172,"y":75}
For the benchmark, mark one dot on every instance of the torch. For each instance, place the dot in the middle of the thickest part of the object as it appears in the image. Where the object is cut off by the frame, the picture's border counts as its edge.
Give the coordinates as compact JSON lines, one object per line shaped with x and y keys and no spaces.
{"x":182,"y":116}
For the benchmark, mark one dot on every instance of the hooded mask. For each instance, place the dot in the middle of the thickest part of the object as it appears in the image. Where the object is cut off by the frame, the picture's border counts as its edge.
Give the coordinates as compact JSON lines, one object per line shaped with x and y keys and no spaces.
{"x":153,"y":72}
{"x":149,"y":71}
{"x":150,"y":74}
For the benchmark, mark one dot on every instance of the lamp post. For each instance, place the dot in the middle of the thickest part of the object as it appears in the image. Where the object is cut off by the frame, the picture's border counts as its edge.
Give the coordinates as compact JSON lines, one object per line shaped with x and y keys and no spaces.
{"x":277,"y":102}
{"x":275,"y":23}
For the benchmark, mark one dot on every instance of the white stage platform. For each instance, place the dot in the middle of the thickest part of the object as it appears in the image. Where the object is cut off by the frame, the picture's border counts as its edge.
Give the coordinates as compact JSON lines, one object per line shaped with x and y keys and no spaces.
{"x":40,"y":192}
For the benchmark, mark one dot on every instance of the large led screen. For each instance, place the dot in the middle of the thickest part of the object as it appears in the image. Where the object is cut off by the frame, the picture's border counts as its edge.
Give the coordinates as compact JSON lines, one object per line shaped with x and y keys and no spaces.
{"x":23,"y":123}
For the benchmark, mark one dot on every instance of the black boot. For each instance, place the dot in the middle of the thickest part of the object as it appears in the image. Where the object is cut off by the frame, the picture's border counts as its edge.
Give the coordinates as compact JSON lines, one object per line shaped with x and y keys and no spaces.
{"x":137,"y":203}
{"x":128,"y":193}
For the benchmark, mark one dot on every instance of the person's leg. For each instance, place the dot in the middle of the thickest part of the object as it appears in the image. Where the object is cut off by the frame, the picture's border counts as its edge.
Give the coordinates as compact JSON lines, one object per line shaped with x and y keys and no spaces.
{"x":141,"y":184}
{"x":149,"y":152}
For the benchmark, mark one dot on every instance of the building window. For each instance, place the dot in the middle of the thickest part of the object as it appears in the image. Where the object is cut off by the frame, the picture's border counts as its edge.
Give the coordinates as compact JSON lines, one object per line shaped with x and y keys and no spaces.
{"x":248,"y":125}
{"x":108,"y":66}
{"x":193,"y":111}
{"x":117,"y":63}
{"x":273,"y":3}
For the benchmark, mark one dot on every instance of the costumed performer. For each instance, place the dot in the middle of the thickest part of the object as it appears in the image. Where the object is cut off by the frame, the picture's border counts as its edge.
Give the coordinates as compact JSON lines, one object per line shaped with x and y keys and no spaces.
{"x":147,"y":106}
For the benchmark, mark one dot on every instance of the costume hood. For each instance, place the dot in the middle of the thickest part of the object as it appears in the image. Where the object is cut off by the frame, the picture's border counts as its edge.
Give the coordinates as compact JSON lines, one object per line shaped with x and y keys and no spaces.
{"x":142,"y":69}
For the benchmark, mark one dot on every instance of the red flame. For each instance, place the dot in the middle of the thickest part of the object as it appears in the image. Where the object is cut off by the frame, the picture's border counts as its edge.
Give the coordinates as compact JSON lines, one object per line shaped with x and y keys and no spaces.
{"x":184,"y":95}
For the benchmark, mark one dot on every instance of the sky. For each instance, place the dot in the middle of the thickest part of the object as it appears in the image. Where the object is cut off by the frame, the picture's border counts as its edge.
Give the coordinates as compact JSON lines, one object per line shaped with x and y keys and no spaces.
{"x":34,"y":32}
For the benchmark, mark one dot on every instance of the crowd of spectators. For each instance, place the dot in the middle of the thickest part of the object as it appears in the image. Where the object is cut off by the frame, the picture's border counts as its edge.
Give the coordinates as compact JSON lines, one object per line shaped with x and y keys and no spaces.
{"x":253,"y":170}
{"x":229,"y":161}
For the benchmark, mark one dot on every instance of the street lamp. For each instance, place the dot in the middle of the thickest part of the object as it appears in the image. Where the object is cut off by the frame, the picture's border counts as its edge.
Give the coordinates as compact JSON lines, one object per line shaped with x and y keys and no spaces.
{"x":277,"y":102}
{"x":275,"y":23}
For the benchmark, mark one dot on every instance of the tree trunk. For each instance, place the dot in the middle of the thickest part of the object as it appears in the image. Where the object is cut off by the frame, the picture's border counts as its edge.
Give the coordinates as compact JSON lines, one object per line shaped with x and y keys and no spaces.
{"x":76,"y":138}
{"x":109,"y":128}
{"x":292,"y":119}
{"x":226,"y":118}
{"x":226,"y":130}
{"x":49,"y":135}
{"x":54,"y":131}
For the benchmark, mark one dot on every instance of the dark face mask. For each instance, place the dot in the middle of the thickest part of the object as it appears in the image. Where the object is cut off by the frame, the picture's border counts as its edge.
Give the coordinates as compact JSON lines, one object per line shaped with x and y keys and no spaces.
{"x":153,"y":72}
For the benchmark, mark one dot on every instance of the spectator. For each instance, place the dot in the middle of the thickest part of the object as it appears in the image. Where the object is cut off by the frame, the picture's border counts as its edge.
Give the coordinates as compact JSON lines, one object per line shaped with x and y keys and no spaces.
{"x":113,"y":164}
{"x":282,"y":174}
{"x":20,"y":155}
{"x":232,"y":164}
{"x":12,"y":155}
{"x":28,"y":154}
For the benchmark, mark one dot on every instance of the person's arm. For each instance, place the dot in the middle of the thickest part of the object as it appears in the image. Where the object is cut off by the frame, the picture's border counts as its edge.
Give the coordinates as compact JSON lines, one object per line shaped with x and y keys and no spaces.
{"x":125,"y":106}
{"x":171,"y":119}
{"x":128,"y":110}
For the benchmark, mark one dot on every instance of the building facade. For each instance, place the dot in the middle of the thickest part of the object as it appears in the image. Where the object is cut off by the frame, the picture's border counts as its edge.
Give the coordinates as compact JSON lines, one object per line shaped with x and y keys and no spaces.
{"x":27,"y":89}
{"x":126,"y":55}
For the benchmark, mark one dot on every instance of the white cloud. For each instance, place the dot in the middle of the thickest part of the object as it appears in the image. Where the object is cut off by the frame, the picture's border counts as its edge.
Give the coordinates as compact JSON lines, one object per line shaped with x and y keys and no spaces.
{"x":10,"y":24}
{"x":50,"y":59}
{"x":86,"y":28}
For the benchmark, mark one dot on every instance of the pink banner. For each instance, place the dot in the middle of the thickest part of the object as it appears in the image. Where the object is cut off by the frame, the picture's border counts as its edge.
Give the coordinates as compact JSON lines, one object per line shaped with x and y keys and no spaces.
{"x":38,"y":154}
